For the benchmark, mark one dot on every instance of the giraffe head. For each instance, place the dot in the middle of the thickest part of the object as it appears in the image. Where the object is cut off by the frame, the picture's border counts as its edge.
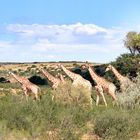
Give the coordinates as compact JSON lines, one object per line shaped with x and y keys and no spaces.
{"x":59,"y":65}
{"x":109,"y":67}
{"x":89,"y":66}
{"x":10,"y":73}
{"x":42,"y":70}
{"x":85,"y":66}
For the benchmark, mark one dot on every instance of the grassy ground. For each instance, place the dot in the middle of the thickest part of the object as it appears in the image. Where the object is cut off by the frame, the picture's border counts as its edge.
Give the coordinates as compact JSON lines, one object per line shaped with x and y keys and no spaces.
{"x":64,"y":120}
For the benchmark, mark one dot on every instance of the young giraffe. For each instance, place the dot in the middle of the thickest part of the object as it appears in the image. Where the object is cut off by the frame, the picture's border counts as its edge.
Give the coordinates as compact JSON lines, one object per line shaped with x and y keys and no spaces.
{"x":124,"y":81}
{"x":102,"y":84}
{"x":78,"y":80}
{"x":26,"y":85}
{"x":55,"y":81}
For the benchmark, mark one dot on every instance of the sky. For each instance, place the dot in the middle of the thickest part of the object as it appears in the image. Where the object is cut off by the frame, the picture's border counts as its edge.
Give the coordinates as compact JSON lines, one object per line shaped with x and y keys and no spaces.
{"x":66,"y":30}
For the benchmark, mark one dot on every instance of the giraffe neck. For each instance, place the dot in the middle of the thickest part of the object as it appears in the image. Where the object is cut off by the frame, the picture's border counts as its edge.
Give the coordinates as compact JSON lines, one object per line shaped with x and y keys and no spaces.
{"x":93,"y":74}
{"x":19,"y":79}
{"x":70,"y":74}
{"x":99,"y":80}
{"x":62,"y":78}
{"x":49,"y":76}
{"x":117,"y":74}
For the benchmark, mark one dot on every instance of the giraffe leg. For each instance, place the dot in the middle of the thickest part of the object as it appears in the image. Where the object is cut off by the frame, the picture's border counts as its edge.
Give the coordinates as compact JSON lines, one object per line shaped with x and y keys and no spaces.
{"x":98,"y":93}
{"x":104,"y":100}
{"x":52,"y":97}
{"x":114,"y":99}
{"x":90,"y":100}
{"x":102,"y":94}
{"x":36,"y":96}
{"x":97,"y":100}
{"x":25,"y":92}
{"x":111,"y":91}
{"x":26,"y":95}
{"x":35,"y":92}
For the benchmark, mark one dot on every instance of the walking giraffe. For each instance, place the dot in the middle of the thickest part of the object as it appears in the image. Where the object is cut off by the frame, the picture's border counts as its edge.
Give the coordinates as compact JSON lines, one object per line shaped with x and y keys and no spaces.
{"x":26,"y":85}
{"x":100,"y":92}
{"x":78,"y":80}
{"x":55,"y":81}
{"x":124,"y":81}
{"x":102,"y":85}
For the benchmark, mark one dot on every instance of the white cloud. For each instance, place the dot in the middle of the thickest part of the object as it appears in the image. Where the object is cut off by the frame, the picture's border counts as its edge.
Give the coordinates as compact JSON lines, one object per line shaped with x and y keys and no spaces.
{"x":78,"y":41}
{"x":64,"y":33}
{"x":88,"y":29}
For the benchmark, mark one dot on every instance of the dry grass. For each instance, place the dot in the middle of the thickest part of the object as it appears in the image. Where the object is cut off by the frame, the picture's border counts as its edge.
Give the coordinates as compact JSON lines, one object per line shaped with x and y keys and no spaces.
{"x":39,"y":64}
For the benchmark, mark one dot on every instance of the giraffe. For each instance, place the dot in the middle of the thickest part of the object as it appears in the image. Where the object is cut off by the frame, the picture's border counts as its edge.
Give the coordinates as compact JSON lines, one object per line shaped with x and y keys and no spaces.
{"x":98,"y":88}
{"x":26,"y":85}
{"x":100,"y":92}
{"x":102,"y":85}
{"x":55,"y":81}
{"x":78,"y":80}
{"x":124,"y":81}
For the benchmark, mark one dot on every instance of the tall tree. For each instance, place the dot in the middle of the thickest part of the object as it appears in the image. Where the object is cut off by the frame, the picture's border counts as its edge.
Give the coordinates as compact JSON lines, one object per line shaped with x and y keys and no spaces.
{"x":132,"y":42}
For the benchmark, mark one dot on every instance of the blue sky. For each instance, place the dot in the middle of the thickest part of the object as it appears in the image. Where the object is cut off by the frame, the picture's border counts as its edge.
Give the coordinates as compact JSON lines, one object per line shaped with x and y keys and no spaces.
{"x":82,"y":30}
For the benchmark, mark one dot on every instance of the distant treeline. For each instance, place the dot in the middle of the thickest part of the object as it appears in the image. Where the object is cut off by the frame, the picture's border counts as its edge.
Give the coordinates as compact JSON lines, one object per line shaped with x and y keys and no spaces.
{"x":10,"y":63}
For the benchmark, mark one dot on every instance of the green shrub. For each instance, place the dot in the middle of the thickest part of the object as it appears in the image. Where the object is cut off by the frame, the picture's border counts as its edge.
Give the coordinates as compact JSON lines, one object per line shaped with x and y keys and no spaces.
{"x":128,"y":64}
{"x":33,"y":66}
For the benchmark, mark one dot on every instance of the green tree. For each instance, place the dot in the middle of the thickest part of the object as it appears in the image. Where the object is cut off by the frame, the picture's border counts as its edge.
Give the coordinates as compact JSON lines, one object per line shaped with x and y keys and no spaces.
{"x":128,"y":64}
{"x":132,"y":42}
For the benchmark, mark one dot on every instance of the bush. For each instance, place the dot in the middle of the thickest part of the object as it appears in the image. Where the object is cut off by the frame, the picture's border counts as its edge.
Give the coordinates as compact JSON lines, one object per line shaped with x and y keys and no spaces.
{"x":128,"y":65}
{"x":116,"y":124}
{"x":130,"y":97}
{"x":33,"y":66}
{"x":68,"y":94}
{"x":38,"y":80}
